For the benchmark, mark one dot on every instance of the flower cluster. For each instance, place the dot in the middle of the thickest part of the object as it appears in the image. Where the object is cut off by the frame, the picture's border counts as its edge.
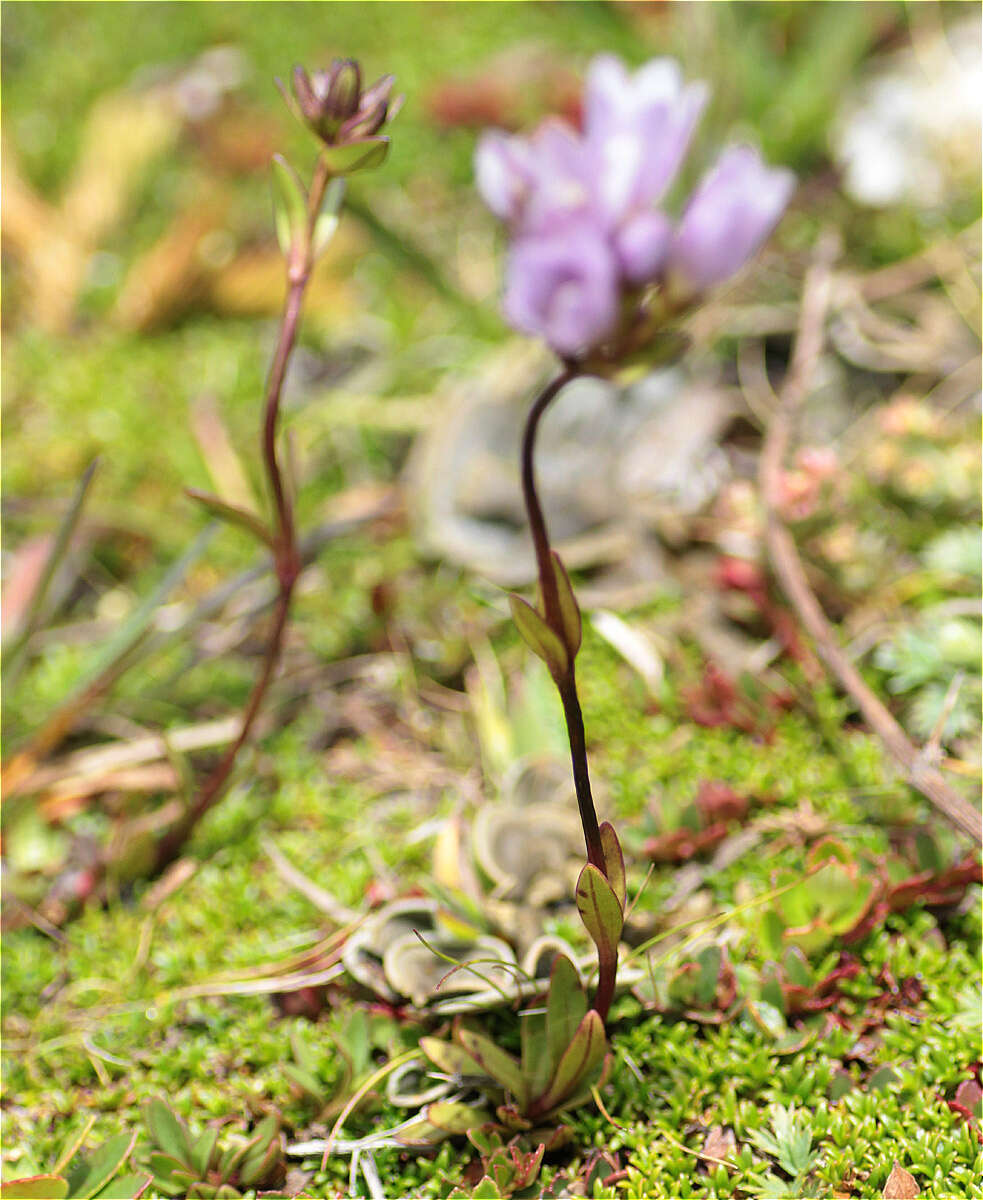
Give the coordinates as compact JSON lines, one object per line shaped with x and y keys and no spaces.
{"x":583,"y":211}
{"x":345,"y":118}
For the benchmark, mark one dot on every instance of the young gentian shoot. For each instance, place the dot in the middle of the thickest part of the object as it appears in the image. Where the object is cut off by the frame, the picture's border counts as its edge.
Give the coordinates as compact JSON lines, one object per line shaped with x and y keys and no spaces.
{"x":600,"y":270}
{"x":346,"y":122}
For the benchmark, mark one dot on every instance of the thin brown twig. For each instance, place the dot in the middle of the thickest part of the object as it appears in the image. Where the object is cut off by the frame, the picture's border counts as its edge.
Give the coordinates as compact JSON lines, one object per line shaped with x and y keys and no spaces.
{"x":791,"y":574}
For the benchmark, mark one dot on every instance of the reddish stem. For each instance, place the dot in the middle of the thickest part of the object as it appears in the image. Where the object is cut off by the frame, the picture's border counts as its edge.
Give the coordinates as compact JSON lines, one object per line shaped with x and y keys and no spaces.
{"x":286,"y":559}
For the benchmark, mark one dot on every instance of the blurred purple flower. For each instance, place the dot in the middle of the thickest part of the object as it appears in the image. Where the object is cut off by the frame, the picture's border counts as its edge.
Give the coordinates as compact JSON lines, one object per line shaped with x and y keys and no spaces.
{"x":563,"y":287}
{"x":638,"y":129}
{"x":582,"y":207}
{"x":732,"y":211}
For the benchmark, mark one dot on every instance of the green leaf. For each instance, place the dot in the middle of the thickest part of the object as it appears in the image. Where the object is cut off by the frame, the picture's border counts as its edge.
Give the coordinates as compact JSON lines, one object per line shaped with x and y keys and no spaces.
{"x":105,"y":1163}
{"x":289,"y":208}
{"x":485,"y":1189}
{"x":538,"y":636}
{"x":327,"y":220}
{"x":708,"y":964}
{"x":614,"y":862}
{"x":494,"y":1062}
{"x":167,"y":1130}
{"x":797,"y":969}
{"x":71,"y":1146}
{"x":35,"y":1187}
{"x":203,"y":1149}
{"x":569,"y":609}
{"x":450,"y":1058}
{"x":303,"y":1080}
{"x":355,"y":156}
{"x":126,"y":1187}
{"x":579,"y":1061}
{"x":566,"y":1007}
{"x":599,"y":909}
{"x":453,"y":1117}
{"x":233,"y":514}
{"x":537,"y":1065}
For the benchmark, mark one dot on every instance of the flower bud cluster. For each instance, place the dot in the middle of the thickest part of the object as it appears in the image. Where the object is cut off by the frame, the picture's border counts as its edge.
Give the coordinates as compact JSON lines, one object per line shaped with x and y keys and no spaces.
{"x":345,"y":118}
{"x":583,"y":208}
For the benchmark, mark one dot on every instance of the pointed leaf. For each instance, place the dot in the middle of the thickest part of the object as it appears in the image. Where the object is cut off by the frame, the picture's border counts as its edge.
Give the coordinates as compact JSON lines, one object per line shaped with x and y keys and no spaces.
{"x":355,"y":156}
{"x":327,"y":221}
{"x":289,"y":208}
{"x":126,"y":1187}
{"x":233,"y":514}
{"x":495,"y":1063}
{"x":35,"y":1187}
{"x":203,"y":1149}
{"x":450,"y":1058}
{"x":566,"y":1007}
{"x":580,"y":1060}
{"x":303,"y":1080}
{"x":71,"y":1146}
{"x":105,"y":1163}
{"x":569,"y":609}
{"x":453,"y":1117}
{"x":486,"y":1189}
{"x":537,"y":1065}
{"x":599,"y":909}
{"x":538,"y":636}
{"x":167,"y":1130}
{"x":614,"y":861}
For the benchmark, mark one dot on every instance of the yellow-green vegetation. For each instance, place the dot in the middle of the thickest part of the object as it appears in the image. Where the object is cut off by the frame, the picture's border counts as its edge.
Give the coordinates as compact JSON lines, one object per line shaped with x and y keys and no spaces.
{"x":372,"y":745}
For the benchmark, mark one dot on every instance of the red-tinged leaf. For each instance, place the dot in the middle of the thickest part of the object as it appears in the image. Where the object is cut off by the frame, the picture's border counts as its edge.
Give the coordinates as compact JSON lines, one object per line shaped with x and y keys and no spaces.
{"x":569,"y":609}
{"x":105,"y":1163}
{"x":232,"y":514}
{"x":614,"y":862}
{"x":126,"y":1187}
{"x":581,"y":1059}
{"x":599,"y":909}
{"x":538,"y":636}
{"x":900,"y":1185}
{"x":35,"y":1187}
{"x":566,"y":1007}
{"x":494,"y":1062}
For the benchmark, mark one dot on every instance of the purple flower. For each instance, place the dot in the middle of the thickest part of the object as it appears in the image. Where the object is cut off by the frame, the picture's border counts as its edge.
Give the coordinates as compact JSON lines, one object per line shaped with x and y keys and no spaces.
{"x":730,"y":214}
{"x":531,"y":183}
{"x":638,"y":129}
{"x":583,"y":211}
{"x":563,"y":287}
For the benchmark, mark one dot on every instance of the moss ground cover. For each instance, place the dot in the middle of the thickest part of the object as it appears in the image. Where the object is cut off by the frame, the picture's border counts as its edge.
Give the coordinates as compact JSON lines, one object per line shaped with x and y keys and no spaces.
{"x":97,"y":1018}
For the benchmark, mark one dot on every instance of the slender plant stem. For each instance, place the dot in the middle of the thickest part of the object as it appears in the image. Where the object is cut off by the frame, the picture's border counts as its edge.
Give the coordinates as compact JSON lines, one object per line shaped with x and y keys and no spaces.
{"x":566,"y":683}
{"x":286,"y":558}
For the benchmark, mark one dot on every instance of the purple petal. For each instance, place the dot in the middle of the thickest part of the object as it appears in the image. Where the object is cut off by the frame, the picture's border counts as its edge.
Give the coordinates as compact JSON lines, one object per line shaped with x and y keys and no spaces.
{"x":641,"y":245}
{"x":730,"y":214}
{"x":503,"y":173}
{"x":638,"y":130}
{"x":563,"y":287}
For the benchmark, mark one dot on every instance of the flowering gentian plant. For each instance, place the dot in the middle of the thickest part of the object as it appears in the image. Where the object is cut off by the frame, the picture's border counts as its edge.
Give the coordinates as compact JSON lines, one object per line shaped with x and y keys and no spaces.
{"x":593,"y":257}
{"x":596,"y":267}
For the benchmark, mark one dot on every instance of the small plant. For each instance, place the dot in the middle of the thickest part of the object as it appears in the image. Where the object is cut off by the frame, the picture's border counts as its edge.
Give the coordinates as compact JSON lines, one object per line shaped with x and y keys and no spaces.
{"x":563,"y":1055}
{"x":601,"y":272}
{"x":84,"y":1176}
{"x":346,"y":120}
{"x":200,"y":1167}
{"x":790,"y":1144}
